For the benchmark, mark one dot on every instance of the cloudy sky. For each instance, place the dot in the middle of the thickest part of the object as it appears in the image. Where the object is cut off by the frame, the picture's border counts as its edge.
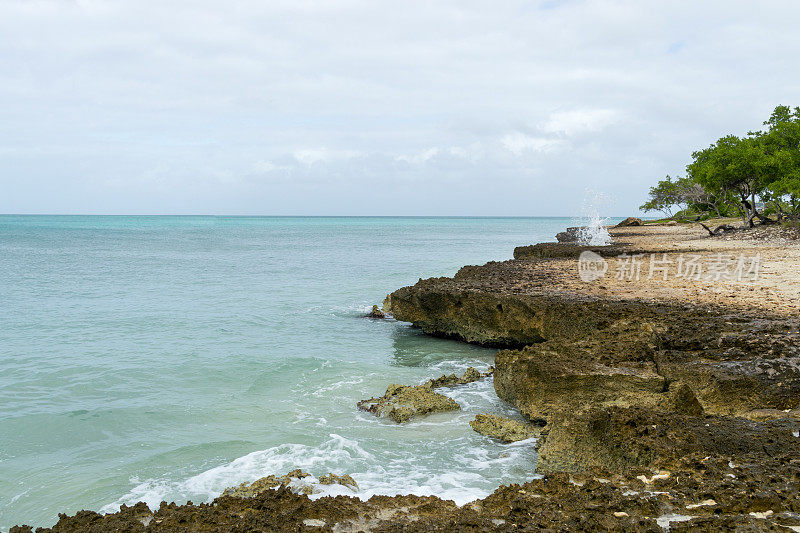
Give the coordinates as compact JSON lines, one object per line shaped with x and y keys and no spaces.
{"x":375,"y":108}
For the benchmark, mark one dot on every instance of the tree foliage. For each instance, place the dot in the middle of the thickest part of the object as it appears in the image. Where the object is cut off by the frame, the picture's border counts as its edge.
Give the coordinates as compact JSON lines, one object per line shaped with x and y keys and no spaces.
{"x":738,"y":174}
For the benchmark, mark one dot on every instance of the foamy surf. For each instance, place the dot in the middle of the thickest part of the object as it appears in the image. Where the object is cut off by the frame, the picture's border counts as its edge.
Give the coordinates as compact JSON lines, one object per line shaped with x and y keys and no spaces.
{"x":390,"y":462}
{"x":463,"y":480}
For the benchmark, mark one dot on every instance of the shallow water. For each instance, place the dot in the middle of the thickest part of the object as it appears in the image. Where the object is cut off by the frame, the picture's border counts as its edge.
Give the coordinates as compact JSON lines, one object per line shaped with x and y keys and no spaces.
{"x":167,"y":358}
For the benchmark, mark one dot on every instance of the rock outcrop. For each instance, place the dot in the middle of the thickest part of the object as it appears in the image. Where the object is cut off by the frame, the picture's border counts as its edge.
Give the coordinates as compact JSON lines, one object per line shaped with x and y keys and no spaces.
{"x":261,"y":485}
{"x":376,"y":313}
{"x":451,"y":380}
{"x":619,"y":439}
{"x":698,"y":493}
{"x":591,"y":362}
{"x":334,"y":479}
{"x":449,"y":308}
{"x":402,"y":402}
{"x":630,"y":221}
{"x":569,"y":235}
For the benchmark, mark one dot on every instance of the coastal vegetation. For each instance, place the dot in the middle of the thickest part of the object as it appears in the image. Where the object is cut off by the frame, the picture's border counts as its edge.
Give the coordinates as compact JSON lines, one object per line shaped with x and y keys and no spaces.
{"x":750,"y":177}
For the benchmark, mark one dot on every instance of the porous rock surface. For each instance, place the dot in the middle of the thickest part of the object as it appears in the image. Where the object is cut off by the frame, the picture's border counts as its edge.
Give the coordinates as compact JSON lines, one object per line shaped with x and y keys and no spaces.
{"x":626,"y":373}
{"x":630,"y":221}
{"x":503,"y":429}
{"x":402,"y":402}
{"x":334,"y":479}
{"x":254,"y":488}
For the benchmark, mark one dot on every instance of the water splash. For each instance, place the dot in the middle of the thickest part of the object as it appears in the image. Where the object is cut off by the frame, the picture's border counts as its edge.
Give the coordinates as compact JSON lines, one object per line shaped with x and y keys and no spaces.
{"x":592,"y":230}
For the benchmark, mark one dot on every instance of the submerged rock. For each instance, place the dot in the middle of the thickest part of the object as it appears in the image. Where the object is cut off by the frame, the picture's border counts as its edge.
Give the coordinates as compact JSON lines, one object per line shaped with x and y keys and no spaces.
{"x":449,"y":381}
{"x":376,"y":313}
{"x":334,"y":479}
{"x":504,"y":429}
{"x":401,"y":402}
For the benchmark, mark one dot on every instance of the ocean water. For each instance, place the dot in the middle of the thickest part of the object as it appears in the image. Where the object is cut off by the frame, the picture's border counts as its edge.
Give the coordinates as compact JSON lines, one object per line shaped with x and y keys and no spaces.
{"x":167,"y":358}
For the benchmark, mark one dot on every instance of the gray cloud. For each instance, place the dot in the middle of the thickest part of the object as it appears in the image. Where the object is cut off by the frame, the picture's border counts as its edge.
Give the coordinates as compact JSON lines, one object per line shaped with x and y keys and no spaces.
{"x":363,"y":107}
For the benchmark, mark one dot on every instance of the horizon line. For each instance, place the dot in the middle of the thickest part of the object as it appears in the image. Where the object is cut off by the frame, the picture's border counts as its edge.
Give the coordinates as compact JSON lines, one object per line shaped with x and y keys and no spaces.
{"x":288,"y":216}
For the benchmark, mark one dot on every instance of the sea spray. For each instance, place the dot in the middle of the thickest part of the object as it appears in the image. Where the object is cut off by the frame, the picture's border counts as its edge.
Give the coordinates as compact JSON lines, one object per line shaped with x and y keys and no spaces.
{"x":592,"y":230}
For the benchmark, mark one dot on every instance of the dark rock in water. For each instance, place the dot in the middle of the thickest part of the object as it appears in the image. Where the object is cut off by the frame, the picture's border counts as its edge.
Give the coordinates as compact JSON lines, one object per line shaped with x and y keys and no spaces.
{"x":630,"y":221}
{"x":504,"y":429}
{"x":570,"y":235}
{"x":468,"y":377}
{"x":401,"y":402}
{"x":376,"y":313}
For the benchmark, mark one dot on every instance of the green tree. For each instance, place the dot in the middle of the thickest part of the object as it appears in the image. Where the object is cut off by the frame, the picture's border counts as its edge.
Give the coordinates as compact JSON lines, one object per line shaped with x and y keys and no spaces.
{"x":734,"y":173}
{"x":781,"y":142}
{"x":733,"y":166}
{"x":663,"y":197}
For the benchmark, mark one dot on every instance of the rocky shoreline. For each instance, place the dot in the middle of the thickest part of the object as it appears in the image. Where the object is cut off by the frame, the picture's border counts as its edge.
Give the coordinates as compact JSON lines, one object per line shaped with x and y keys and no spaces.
{"x":659,"y":401}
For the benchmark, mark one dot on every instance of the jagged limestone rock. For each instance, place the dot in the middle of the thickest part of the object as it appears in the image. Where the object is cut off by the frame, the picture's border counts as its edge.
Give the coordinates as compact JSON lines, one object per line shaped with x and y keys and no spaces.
{"x":451,"y":380}
{"x":617,"y":439}
{"x":334,"y":479}
{"x":630,"y":221}
{"x":402,"y":402}
{"x":249,"y":490}
{"x":376,"y":313}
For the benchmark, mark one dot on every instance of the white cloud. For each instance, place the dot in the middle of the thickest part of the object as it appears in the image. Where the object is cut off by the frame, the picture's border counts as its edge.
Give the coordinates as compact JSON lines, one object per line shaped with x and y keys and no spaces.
{"x":518,"y":143}
{"x":341,"y":104}
{"x":316,"y":155}
{"x":264,"y":166}
{"x":573,"y":122}
{"x":418,"y":157}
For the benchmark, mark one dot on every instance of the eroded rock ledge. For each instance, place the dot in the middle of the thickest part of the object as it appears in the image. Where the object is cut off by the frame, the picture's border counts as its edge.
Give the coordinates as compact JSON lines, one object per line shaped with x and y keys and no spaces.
{"x":631,"y":373}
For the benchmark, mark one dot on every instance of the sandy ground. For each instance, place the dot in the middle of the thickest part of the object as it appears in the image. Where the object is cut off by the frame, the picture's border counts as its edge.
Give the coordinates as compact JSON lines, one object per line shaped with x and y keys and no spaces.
{"x":773,"y":251}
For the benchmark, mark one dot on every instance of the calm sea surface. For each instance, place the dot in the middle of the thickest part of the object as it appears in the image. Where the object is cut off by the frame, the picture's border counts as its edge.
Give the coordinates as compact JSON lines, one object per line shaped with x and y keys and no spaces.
{"x":167,"y":358}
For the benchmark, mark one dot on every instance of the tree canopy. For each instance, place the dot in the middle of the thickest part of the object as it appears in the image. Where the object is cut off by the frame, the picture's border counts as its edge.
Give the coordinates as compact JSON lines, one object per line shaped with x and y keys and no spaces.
{"x":739,"y":175}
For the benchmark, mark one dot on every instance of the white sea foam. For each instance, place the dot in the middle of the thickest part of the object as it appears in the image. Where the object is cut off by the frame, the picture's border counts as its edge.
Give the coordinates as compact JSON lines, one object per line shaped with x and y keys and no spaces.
{"x":400,"y":472}
{"x":448,"y":460}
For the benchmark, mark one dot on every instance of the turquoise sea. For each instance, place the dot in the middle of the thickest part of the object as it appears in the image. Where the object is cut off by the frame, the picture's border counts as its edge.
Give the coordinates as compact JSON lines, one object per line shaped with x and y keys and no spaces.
{"x":167,"y":358}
